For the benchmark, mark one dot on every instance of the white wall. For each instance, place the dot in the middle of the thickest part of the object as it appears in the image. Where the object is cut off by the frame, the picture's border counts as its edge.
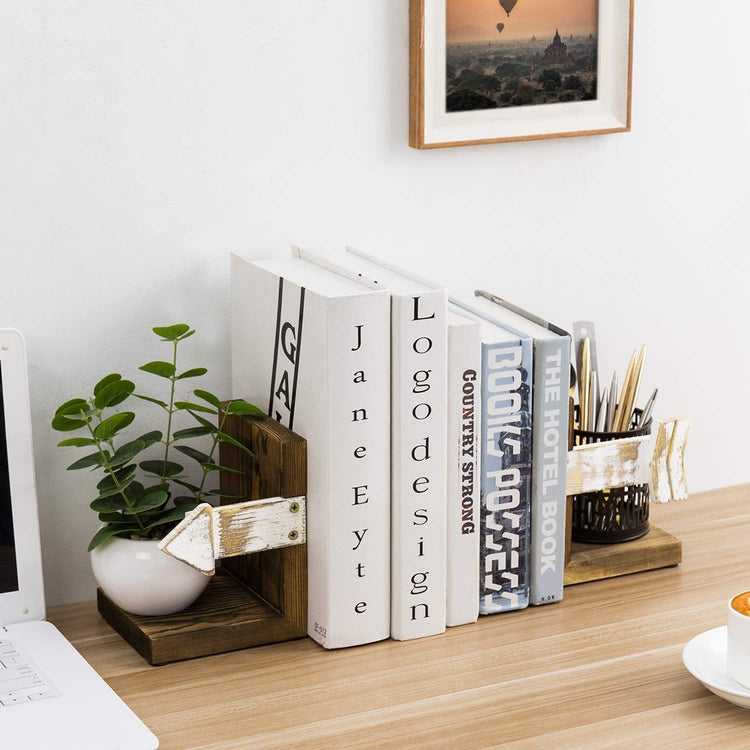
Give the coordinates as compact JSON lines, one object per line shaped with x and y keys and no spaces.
{"x":141,"y":141}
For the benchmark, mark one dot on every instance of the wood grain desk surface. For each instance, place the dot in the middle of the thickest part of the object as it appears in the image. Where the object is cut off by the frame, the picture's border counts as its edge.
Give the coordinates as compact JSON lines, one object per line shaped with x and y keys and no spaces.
{"x":603,"y":668}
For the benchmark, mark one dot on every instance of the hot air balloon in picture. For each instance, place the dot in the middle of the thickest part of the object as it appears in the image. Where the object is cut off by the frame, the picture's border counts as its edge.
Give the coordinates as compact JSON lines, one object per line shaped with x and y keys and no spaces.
{"x":500,"y":28}
{"x":508,"y":5}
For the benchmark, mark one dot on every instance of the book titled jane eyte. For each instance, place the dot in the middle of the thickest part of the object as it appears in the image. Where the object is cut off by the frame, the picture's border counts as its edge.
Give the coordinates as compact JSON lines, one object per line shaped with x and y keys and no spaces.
{"x":313,"y":347}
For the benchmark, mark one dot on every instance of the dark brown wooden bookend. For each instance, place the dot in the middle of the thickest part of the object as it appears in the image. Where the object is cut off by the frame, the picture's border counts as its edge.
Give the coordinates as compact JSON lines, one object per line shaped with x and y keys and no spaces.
{"x":253,"y":599}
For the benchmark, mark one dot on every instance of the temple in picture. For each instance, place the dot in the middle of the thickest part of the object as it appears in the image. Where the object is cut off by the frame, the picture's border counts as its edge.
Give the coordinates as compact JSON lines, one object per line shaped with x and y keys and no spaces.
{"x":557,"y":52}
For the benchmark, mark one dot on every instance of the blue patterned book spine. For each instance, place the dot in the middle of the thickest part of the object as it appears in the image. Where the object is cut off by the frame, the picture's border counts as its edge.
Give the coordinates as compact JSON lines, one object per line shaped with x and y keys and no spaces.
{"x":505,"y":440}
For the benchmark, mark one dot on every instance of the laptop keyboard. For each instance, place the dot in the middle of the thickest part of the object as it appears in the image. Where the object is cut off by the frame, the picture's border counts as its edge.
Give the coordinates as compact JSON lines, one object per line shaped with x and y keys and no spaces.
{"x":20,"y":680}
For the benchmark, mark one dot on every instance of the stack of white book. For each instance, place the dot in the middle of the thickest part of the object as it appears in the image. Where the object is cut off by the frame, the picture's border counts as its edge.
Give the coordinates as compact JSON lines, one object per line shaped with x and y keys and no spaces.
{"x":409,"y":408}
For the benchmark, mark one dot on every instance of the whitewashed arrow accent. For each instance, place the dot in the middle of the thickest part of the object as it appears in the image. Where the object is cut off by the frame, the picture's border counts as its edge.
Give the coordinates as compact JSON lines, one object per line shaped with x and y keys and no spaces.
{"x":207,"y":534}
{"x":657,"y":460}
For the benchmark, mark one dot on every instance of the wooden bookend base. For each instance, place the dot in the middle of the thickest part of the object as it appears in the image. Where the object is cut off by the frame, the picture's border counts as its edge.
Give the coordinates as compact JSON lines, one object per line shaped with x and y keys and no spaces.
{"x":225,"y":617}
{"x":253,"y":599}
{"x":593,"y":562}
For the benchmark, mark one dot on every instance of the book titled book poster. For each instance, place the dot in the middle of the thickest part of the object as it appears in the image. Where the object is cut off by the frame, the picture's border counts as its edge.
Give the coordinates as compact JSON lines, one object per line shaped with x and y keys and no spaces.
{"x":506,"y":476}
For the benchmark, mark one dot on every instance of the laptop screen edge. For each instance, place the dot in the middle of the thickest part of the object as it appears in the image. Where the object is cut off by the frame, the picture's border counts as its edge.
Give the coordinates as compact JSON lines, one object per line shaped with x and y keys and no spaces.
{"x":28,"y":602}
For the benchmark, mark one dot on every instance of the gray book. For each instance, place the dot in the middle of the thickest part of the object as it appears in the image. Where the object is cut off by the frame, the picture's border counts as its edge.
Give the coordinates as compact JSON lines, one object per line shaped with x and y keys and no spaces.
{"x":549,"y":453}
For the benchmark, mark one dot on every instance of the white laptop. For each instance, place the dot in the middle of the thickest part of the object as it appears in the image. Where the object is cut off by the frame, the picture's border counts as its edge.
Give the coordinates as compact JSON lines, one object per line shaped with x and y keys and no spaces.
{"x":50,"y":698}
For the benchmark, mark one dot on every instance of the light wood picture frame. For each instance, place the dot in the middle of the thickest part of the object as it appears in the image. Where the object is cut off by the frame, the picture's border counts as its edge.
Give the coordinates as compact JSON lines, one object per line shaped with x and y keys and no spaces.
{"x":431,"y":125}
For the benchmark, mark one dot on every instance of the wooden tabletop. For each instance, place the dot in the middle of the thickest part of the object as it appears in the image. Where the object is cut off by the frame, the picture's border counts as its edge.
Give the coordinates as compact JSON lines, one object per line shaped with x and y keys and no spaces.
{"x":603,"y":668}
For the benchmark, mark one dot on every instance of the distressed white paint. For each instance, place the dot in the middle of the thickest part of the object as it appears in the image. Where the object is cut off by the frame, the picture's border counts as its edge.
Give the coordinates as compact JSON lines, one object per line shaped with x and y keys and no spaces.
{"x":192,"y":540}
{"x":657,"y":460}
{"x":668,"y":476}
{"x":207,"y":534}
{"x":615,"y":463}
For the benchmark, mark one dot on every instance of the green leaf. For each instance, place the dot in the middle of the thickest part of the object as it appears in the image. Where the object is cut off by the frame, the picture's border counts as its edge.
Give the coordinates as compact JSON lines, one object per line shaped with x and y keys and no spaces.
{"x":121,"y":474}
{"x":109,"y":531}
{"x":111,"y":517}
{"x":112,"y":425}
{"x":172,"y":333}
{"x":108,"y":504}
{"x":224,"y":493}
{"x":185,"y":500}
{"x":203,"y":421}
{"x":105,"y":381}
{"x":209,"y":397}
{"x":162,"y":369}
{"x":93,"y":459}
{"x":161,"y":468}
{"x":62,"y":423}
{"x":193,"y":453}
{"x":152,"y":400}
{"x":224,"y":438}
{"x":74,"y":406}
{"x":193,"y":432}
{"x":149,"y":501}
{"x":127,"y":485}
{"x":187,"y":485}
{"x":173,"y":515}
{"x":113,"y":394}
{"x":127,"y":452}
{"x":243,"y":407}
{"x":135,"y":490}
{"x":186,"y":405}
{"x":215,"y":467}
{"x":78,"y":442}
{"x":151,"y":437}
{"x":196,"y":372}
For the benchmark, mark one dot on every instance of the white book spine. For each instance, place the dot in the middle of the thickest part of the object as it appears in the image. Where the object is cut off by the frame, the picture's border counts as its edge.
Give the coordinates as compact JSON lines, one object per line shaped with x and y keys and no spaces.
{"x":462,"y":541}
{"x":419,"y":466}
{"x":320,"y":364}
{"x":350,"y":603}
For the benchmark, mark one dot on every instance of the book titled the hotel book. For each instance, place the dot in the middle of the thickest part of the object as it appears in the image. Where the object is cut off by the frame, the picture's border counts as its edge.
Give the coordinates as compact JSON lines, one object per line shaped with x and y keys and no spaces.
{"x":418,"y":442}
{"x":314,"y":348}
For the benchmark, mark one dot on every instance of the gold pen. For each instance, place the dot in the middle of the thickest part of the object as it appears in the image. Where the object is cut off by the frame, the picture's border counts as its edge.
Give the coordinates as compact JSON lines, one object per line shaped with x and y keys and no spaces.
{"x":584,"y":385}
{"x":636,"y":385}
{"x":624,"y":395}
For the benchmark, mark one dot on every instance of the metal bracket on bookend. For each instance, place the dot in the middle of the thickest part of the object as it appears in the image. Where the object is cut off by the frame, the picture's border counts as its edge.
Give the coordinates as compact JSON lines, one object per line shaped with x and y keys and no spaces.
{"x":657,"y":460}
{"x":207,"y":534}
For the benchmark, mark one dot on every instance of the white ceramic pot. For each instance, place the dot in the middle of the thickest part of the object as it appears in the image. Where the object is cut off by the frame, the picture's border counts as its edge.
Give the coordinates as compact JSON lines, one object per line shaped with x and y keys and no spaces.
{"x":141,"y":579}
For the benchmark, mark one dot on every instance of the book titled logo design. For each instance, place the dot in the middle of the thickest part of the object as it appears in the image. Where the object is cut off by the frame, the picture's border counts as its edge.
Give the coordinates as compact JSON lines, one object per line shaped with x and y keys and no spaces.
{"x":287,"y":347}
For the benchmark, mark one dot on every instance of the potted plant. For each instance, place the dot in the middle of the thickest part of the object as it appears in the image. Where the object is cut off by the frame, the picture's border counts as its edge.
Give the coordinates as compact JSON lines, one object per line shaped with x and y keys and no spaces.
{"x":142,"y":496}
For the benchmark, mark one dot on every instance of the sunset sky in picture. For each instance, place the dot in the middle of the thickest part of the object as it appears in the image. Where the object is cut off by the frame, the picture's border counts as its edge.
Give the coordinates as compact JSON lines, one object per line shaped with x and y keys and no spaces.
{"x":529,"y":17}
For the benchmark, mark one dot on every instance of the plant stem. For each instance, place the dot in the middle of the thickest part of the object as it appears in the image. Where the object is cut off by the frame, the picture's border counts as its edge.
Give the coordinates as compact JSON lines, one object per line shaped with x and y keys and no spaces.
{"x":170,"y":412}
{"x":108,"y":468}
{"x":222,"y":414}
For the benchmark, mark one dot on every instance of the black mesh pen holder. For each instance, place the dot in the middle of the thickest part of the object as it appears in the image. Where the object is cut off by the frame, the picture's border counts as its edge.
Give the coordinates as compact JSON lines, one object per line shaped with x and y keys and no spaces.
{"x":615,"y":514}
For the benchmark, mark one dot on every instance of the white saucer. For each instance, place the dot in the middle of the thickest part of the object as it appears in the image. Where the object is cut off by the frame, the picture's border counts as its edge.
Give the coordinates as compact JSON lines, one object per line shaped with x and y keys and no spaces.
{"x":706,"y":659}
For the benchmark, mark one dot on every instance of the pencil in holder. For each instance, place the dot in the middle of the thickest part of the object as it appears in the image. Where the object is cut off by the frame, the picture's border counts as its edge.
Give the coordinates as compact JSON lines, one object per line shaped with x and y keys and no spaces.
{"x":615,"y":514}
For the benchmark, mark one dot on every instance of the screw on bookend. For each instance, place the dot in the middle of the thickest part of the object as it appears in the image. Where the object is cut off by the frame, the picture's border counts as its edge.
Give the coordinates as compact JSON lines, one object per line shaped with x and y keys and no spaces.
{"x":657,"y":460}
{"x":207,"y":534}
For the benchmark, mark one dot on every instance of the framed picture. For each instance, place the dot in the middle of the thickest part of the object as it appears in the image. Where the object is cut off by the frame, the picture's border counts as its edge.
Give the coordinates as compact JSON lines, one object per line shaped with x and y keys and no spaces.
{"x":486,"y":71}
